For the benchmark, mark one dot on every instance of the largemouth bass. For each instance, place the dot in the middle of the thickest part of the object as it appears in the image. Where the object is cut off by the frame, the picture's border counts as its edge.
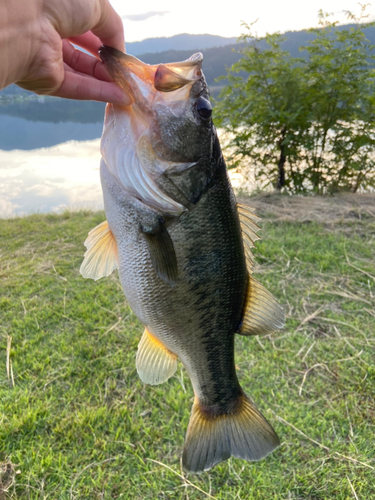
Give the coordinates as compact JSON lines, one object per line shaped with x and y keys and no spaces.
{"x":182,"y":246}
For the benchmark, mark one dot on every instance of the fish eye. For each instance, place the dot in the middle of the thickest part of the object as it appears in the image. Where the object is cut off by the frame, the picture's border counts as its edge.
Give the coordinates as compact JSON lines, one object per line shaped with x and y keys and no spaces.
{"x":204,"y":108}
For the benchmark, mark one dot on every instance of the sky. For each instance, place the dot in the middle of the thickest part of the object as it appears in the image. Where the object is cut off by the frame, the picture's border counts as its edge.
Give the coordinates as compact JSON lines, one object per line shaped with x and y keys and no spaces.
{"x":147,"y":18}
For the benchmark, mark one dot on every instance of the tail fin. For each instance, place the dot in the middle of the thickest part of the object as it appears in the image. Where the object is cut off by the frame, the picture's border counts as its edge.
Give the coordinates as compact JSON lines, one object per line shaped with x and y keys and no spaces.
{"x":242,"y":433}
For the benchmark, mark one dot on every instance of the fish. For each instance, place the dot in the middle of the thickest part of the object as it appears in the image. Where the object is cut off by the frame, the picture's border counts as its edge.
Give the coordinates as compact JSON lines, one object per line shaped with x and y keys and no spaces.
{"x":182,"y":246}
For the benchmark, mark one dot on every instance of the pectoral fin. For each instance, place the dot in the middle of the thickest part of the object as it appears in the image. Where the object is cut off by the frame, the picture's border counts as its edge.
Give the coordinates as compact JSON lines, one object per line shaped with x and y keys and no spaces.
{"x":101,"y":255}
{"x":262,"y":313}
{"x":155,"y":363}
{"x":162,"y":253}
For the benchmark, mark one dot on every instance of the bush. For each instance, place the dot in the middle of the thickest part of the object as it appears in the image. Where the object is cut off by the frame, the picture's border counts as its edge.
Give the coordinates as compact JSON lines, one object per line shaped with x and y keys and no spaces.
{"x":306,"y":124}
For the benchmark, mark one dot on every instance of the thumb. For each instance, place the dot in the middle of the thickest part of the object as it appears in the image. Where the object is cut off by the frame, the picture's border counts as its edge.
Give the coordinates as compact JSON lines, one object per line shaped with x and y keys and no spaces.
{"x":110,"y":28}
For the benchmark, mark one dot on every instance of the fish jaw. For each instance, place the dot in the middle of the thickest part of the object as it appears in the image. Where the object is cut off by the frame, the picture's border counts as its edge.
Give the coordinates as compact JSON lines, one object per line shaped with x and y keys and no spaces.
{"x":160,"y":131}
{"x":167,"y":99}
{"x":164,"y":77}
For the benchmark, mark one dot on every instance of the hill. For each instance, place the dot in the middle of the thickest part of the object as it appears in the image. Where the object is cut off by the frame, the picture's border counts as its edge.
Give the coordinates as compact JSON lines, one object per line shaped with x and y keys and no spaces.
{"x":216,"y":58}
{"x":184,"y":41}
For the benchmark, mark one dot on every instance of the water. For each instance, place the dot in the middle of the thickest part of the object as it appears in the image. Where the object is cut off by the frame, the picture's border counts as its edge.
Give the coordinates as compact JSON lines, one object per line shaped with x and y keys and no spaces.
{"x":49,"y":155}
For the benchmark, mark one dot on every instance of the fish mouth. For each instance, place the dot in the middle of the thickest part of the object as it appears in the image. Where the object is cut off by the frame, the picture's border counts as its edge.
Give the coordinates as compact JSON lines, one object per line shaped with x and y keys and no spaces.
{"x":160,"y":131}
{"x":163,"y":77}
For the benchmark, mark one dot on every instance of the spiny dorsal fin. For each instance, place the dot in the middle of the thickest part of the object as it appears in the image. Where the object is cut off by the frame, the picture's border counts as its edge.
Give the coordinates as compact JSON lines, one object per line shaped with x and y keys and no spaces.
{"x":249,"y":227}
{"x":155,"y":363}
{"x":262,"y":313}
{"x":101,"y":255}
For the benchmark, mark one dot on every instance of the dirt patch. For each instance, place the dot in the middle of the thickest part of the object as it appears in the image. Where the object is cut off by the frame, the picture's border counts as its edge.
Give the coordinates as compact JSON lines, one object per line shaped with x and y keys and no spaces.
{"x":7,"y":477}
{"x":325,"y":209}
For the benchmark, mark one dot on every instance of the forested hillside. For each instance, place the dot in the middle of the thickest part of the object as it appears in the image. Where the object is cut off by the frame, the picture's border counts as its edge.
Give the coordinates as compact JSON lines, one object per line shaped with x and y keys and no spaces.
{"x":217,"y":59}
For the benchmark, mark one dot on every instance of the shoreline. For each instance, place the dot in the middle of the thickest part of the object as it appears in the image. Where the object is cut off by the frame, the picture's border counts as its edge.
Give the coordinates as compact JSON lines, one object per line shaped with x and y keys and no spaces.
{"x":271,"y":205}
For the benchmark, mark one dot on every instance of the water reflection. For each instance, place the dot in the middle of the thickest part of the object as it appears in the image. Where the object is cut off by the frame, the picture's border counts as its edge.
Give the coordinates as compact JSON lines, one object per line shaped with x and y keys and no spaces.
{"x":50,"y":156}
{"x":18,"y":133}
{"x":45,"y":122}
{"x":50,"y":179}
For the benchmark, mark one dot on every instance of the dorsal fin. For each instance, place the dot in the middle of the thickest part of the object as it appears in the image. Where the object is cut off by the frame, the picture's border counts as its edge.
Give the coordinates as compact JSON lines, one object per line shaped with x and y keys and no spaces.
{"x":101,"y":255}
{"x":249,"y":228}
{"x":155,"y":363}
{"x":262,"y":313}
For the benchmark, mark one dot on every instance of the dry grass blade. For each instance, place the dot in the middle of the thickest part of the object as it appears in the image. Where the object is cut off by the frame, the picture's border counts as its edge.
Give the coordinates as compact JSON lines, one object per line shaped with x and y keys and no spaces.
{"x":309,"y":370}
{"x":352,"y":488}
{"x":349,"y":295}
{"x":359,"y":269}
{"x":329,"y":320}
{"x":308,"y":350}
{"x":369,"y":311}
{"x":350,"y":459}
{"x":92,"y":464}
{"x":310,"y":317}
{"x":183,"y":478}
{"x":9,"y":362}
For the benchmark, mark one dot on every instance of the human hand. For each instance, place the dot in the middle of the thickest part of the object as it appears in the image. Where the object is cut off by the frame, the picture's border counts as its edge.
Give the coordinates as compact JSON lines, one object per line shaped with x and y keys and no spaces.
{"x":36,"y":50}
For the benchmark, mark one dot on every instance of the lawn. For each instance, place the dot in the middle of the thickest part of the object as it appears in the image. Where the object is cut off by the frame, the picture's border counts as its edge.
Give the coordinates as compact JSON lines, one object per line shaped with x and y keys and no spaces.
{"x":77,"y":423}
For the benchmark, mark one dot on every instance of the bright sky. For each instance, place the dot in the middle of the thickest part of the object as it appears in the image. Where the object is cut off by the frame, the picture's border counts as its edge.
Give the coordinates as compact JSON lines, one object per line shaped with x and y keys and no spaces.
{"x":147,"y":18}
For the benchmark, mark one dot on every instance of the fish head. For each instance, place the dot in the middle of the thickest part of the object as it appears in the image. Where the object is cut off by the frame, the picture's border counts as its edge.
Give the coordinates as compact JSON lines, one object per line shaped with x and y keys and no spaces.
{"x":170,"y":100}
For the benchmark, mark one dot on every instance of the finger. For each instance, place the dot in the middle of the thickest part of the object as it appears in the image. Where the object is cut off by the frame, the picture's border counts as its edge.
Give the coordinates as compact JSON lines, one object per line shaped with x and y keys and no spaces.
{"x":83,"y":63}
{"x":83,"y":87}
{"x":110,"y":28}
{"x":87,"y":41}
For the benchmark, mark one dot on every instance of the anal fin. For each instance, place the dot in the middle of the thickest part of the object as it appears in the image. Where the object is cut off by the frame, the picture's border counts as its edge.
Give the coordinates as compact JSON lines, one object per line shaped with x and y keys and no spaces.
{"x":155,"y":363}
{"x":100,"y":258}
{"x":262,"y":313}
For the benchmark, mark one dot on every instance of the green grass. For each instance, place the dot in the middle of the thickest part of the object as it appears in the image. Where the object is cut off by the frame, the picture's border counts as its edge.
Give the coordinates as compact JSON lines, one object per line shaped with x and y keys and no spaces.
{"x":77,"y":423}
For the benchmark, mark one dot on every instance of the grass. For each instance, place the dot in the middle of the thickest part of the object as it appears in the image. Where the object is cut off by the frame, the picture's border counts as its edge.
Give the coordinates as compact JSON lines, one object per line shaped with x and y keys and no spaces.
{"x":77,"y":423}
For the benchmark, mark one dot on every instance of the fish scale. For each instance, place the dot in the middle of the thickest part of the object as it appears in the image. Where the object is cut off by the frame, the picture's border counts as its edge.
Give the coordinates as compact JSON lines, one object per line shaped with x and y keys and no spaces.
{"x":181,"y":245}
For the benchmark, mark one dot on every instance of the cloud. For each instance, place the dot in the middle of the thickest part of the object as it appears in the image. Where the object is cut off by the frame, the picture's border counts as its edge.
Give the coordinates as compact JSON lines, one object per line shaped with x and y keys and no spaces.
{"x":145,"y":15}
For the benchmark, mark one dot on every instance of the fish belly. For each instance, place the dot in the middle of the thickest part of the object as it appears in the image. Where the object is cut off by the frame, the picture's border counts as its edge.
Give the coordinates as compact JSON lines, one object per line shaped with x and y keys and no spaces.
{"x":197,"y":317}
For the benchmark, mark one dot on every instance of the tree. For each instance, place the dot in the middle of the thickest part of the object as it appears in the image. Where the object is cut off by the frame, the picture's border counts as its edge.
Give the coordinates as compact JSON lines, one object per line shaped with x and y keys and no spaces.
{"x":306,"y":124}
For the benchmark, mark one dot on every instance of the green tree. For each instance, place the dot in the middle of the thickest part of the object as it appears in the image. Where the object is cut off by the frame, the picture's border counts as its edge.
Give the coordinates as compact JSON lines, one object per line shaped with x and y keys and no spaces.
{"x":306,"y":124}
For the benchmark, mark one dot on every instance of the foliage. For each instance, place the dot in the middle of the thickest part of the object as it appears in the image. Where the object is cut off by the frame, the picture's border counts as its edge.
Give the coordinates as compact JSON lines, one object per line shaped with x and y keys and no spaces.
{"x":77,"y":423}
{"x":306,"y":124}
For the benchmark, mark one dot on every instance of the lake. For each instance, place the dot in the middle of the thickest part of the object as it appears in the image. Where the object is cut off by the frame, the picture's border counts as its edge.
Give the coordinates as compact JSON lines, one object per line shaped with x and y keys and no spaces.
{"x":50,"y":155}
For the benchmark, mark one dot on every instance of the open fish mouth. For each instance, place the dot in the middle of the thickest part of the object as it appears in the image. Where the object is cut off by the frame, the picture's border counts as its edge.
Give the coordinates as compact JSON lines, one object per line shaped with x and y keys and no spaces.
{"x":167,"y":127}
{"x":164,"y":77}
